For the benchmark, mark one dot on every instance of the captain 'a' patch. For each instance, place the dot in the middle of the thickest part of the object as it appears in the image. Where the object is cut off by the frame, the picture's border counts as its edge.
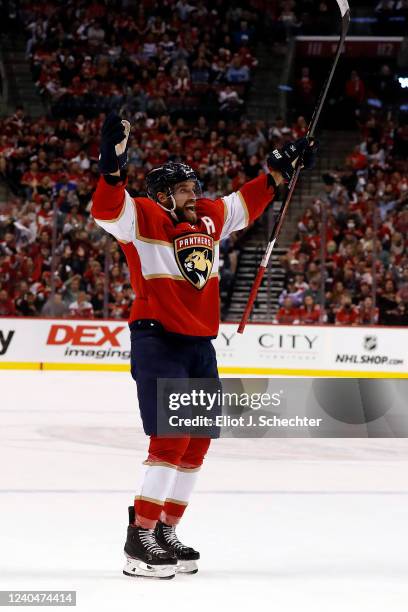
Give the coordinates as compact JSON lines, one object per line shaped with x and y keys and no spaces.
{"x":195,"y":257}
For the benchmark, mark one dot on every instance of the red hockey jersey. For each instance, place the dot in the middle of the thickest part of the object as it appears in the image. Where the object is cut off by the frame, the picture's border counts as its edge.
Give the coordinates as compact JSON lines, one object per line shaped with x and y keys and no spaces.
{"x":174,"y":266}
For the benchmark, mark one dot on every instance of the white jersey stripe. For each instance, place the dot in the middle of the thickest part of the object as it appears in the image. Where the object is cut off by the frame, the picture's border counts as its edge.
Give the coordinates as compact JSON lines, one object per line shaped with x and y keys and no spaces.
{"x":156,"y":256}
{"x":237,"y":213}
{"x":159,"y":260}
{"x":123,"y":227}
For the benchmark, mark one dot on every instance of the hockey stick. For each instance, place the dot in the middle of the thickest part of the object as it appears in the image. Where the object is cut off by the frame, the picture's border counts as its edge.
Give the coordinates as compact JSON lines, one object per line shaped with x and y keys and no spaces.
{"x":345,"y":22}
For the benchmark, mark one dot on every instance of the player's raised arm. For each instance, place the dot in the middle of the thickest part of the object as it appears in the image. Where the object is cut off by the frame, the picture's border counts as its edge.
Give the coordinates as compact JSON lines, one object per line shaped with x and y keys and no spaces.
{"x":244,"y":206}
{"x":112,"y":207}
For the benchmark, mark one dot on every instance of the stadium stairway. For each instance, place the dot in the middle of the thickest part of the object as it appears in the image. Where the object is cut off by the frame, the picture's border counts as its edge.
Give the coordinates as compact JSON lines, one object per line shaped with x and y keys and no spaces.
{"x":4,"y":194}
{"x":264,"y":99}
{"x":18,"y":88}
{"x":21,"y":87}
{"x":250,"y":257}
{"x":334,"y":147}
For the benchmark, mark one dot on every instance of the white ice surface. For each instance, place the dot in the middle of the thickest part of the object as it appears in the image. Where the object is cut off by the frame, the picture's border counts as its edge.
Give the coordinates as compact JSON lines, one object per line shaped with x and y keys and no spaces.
{"x":291,"y":525}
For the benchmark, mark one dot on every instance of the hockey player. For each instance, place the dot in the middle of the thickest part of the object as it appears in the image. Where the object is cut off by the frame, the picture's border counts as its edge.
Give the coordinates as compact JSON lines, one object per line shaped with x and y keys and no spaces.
{"x":171,"y":243}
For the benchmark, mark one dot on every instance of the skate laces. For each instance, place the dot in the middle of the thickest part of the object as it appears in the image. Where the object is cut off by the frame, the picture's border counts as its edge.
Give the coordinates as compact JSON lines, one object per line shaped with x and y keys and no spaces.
{"x":148,"y":539}
{"x":169,"y":532}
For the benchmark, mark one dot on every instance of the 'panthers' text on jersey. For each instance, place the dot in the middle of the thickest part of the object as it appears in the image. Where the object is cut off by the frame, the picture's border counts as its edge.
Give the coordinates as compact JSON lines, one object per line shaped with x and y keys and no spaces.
{"x":174,"y":266}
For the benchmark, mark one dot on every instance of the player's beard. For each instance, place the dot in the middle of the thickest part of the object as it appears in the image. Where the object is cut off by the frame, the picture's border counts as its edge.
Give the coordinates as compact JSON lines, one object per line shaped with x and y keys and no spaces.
{"x":187,"y":214}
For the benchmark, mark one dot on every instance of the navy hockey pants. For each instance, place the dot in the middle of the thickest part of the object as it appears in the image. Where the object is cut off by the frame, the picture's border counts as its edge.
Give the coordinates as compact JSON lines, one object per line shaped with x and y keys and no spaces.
{"x":155,"y":354}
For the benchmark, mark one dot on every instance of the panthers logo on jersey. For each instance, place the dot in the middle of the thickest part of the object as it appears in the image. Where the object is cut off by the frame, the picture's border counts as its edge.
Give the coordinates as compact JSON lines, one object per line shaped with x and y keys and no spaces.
{"x":195,"y":257}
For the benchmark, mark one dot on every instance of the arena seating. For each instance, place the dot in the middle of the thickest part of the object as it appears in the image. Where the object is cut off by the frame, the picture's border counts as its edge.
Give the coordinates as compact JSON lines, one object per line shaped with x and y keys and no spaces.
{"x":160,"y":67}
{"x":365,"y":235}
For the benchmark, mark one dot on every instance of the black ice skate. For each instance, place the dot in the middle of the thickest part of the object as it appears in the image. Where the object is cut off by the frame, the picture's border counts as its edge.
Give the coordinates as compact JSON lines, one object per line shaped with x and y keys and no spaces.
{"x":144,"y":556}
{"x":186,"y":556}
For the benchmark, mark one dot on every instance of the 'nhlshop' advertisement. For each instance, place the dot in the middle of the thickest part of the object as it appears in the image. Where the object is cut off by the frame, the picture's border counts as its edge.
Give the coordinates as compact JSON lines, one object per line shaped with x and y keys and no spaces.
{"x":264,"y":350}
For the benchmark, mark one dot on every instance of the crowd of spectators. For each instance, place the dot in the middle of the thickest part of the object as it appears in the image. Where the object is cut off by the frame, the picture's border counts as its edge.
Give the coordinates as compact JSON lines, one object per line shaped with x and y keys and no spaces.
{"x":349,"y":263}
{"x":50,"y":164}
{"x":157,"y":64}
{"x":350,"y":259}
{"x":174,"y":57}
{"x":51,"y":167}
{"x":367,"y":89}
{"x":359,"y":88}
{"x":48,"y":169}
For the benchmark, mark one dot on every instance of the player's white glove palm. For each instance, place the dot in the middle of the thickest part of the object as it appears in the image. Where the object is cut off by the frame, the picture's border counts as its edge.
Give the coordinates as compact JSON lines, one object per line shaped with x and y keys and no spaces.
{"x":120,"y":148}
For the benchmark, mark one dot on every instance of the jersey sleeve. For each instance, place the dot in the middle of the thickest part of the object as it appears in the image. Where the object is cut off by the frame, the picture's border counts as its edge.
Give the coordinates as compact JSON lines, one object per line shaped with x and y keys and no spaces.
{"x":244,"y":206}
{"x":114,"y":210}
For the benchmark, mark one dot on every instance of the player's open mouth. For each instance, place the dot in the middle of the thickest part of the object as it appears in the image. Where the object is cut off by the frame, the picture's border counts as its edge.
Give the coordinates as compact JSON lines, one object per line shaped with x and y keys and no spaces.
{"x":190,"y":207}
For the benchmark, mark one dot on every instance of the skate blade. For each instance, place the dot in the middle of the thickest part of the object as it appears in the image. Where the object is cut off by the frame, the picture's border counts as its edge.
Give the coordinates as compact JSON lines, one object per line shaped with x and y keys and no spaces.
{"x":186,"y":567}
{"x":138,"y":569}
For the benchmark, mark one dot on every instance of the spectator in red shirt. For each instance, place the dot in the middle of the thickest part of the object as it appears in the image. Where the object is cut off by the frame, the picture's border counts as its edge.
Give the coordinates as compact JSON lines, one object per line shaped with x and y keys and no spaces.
{"x":31,"y":179}
{"x":368,"y":315}
{"x":287,"y":314}
{"x":120,"y":309}
{"x":355,"y":88}
{"x":347,"y":314}
{"x":6,"y":305}
{"x":300,"y":128}
{"x":309,"y":312}
{"x":357,"y":160}
{"x":305,"y":89}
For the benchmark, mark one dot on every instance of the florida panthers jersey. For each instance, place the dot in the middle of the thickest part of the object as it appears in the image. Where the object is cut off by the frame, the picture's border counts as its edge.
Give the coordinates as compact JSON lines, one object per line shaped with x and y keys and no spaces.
{"x":174,"y":266}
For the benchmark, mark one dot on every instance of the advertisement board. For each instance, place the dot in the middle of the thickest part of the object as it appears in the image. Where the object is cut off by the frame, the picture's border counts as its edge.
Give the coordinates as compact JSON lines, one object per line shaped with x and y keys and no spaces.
{"x":261,"y":350}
